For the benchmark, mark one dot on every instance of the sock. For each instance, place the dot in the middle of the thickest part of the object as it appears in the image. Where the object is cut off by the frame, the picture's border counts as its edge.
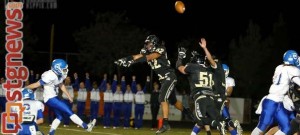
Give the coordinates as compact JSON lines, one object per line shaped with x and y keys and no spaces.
{"x":233,"y":132}
{"x":54,"y":126}
{"x":51,"y":132}
{"x":78,"y":121}
{"x":165,"y":121}
{"x":208,"y":132}
{"x":279,"y":132}
{"x":196,"y":129}
{"x":256,"y":131}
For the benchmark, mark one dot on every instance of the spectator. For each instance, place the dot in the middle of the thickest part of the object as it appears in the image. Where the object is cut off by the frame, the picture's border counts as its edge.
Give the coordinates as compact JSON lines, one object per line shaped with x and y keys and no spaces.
{"x":108,"y":102}
{"x":95,"y":99}
{"x":128,"y":99}
{"x":81,"y":100}
{"x":70,"y":89}
{"x":139,"y":104}
{"x":154,"y":105}
{"x":118,"y":101}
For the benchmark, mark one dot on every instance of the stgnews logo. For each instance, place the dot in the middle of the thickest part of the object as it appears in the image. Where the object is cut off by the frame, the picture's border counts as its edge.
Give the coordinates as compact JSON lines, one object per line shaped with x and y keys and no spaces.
{"x":16,"y":73}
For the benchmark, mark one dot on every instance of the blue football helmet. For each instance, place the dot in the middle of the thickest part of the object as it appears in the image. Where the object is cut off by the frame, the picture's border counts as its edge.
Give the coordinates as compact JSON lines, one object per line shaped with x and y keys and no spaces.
{"x":27,"y":94}
{"x":226,"y":69}
{"x":59,"y":67}
{"x":298,"y":66}
{"x":291,"y":57}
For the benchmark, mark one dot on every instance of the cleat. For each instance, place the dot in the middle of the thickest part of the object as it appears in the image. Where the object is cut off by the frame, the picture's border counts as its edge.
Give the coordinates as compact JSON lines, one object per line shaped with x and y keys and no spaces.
{"x":221,"y":128}
{"x":238,"y":127}
{"x":91,"y":125}
{"x":163,"y":129}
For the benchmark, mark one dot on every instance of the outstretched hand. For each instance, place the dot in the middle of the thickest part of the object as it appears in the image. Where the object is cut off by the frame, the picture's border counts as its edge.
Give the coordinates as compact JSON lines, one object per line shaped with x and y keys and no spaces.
{"x":202,"y":43}
{"x":123,"y":62}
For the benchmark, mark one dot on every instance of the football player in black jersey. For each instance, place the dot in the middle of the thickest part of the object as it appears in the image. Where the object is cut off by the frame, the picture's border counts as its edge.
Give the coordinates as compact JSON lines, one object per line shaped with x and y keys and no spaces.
{"x":294,"y":95}
{"x":201,"y":83}
{"x":154,"y":52}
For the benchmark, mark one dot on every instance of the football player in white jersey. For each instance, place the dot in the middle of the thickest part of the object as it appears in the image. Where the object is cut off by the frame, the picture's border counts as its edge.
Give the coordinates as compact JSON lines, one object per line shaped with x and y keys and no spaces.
{"x":51,"y":80}
{"x":272,"y":105}
{"x":32,"y":115}
{"x":229,"y":83}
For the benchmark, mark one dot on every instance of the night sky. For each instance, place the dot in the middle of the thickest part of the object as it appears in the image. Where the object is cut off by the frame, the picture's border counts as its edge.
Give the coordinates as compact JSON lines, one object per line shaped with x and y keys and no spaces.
{"x":219,"y":22}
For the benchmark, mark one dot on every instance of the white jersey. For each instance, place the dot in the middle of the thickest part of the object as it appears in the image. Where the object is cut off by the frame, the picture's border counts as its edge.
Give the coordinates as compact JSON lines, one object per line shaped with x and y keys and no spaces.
{"x":30,"y":113}
{"x":51,"y":81}
{"x":70,"y":91}
{"x":95,"y":95}
{"x":128,"y":97}
{"x":82,"y":94}
{"x":31,"y":110}
{"x":229,"y":82}
{"x":118,"y":96}
{"x":38,"y":93}
{"x":281,"y":82}
{"x":2,"y":91}
{"x":108,"y":96}
{"x":139,"y":97}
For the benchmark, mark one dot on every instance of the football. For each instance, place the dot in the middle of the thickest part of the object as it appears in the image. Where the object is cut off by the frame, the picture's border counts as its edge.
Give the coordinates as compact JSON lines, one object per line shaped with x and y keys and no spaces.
{"x":179,"y":7}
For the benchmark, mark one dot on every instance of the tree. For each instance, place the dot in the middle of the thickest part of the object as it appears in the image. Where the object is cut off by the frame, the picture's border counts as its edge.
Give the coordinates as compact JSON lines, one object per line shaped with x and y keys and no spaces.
{"x":247,"y":57}
{"x":253,"y":59}
{"x":110,"y":37}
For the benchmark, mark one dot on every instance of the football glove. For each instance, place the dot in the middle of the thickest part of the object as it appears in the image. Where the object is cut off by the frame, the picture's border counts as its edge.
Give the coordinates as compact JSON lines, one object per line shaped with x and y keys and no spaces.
{"x":123,"y":62}
{"x":181,"y":52}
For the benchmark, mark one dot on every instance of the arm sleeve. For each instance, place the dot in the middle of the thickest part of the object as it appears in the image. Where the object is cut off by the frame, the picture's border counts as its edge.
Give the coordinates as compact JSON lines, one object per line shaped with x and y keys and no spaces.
{"x":146,"y":87}
{"x":102,"y":86}
{"x":88,"y":85}
{"x":123,"y":86}
{"x":76,"y":84}
{"x":188,"y":68}
{"x":114,"y":86}
{"x":42,"y":82}
{"x":40,"y":114}
{"x":133,"y":87}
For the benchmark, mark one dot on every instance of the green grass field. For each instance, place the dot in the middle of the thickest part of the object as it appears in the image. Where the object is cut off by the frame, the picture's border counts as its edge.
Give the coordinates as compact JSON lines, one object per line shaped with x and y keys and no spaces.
{"x":73,"y":130}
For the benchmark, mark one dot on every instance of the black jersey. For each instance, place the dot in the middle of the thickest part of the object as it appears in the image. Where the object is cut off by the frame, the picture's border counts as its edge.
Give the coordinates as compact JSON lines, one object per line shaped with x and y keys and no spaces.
{"x":161,"y":65}
{"x":294,"y":94}
{"x":200,"y":77}
{"x":219,"y":86}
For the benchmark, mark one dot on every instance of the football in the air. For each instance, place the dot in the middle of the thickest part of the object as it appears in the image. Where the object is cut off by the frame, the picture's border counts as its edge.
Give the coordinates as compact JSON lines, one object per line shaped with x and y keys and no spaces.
{"x":179,"y":7}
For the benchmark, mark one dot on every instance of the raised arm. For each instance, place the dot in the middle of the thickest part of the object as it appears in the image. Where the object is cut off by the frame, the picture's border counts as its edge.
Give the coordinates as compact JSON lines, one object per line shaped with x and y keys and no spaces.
{"x":123,"y":84}
{"x":181,"y":55}
{"x":102,"y":86}
{"x":133,"y":85}
{"x":88,"y":84}
{"x":76,"y":83}
{"x":202,"y":44}
{"x":114,"y":84}
{"x":147,"y":84}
